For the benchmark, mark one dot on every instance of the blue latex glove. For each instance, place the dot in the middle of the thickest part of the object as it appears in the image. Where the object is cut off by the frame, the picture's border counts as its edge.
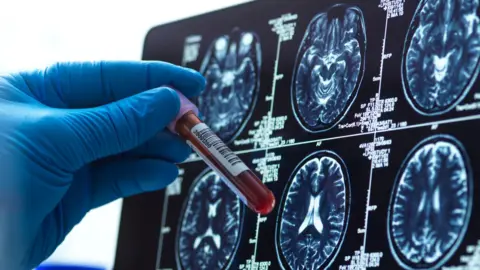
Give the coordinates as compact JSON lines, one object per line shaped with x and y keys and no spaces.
{"x":76,"y":136}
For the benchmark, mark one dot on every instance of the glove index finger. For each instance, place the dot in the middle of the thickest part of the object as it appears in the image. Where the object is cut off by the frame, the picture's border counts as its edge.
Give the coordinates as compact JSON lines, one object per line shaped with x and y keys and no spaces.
{"x":188,"y":81}
{"x":92,"y":84}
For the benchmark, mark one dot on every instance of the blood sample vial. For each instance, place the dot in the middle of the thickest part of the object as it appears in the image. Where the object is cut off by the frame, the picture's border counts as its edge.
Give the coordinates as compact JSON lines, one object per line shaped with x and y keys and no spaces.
{"x":236,"y":175}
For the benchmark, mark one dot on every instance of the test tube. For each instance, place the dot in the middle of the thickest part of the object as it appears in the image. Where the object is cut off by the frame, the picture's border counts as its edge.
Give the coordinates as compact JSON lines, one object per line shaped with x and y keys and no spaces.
{"x":236,"y":175}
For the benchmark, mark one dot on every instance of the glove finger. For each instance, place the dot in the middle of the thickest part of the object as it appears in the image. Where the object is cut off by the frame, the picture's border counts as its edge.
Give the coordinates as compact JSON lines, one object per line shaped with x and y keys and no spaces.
{"x":92,"y":84}
{"x":117,"y":127}
{"x":123,"y":178}
{"x":164,"y":145}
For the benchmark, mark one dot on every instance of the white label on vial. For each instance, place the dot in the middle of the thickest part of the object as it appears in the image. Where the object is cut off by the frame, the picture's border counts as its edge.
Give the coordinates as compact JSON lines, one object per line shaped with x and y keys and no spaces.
{"x":218,"y":149}
{"x":222,"y":176}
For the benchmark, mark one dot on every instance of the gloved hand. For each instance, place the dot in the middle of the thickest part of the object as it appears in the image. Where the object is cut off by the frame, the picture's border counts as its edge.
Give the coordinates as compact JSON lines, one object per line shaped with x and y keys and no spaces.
{"x":76,"y":136}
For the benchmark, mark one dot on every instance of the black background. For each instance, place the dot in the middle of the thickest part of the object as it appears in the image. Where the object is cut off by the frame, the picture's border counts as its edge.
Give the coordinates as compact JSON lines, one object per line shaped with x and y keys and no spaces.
{"x":141,"y":215}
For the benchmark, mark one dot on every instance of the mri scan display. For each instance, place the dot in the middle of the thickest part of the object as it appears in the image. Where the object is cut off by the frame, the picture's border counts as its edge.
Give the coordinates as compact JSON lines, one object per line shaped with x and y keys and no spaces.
{"x":315,"y":213}
{"x":232,"y":69}
{"x":362,"y":119}
{"x":330,"y":67}
{"x":431,"y":203}
{"x":441,"y":55}
{"x":210,"y":227}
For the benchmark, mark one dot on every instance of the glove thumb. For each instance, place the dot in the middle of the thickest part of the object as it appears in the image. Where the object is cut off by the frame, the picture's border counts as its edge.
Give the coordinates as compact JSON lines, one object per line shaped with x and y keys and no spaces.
{"x":120,"y":126}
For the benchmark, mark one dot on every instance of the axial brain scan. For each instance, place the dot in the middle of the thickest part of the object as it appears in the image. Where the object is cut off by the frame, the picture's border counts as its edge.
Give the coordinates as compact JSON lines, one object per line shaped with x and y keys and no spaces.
{"x":210,"y":227}
{"x":431,"y":203}
{"x":315,"y":213}
{"x":330,"y":64}
{"x":232,"y":69}
{"x":441,"y":55}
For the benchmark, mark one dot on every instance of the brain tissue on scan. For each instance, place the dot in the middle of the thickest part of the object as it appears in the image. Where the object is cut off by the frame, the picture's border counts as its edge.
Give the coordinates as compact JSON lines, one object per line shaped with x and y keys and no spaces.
{"x":441,"y":55}
{"x":209,"y":230}
{"x":431,"y":203}
{"x":330,"y":65}
{"x":315,"y":213}
{"x":232,"y":69}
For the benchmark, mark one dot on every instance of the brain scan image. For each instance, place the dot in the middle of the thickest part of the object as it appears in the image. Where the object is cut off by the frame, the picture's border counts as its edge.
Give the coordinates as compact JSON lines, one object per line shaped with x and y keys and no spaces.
{"x":316,"y":204}
{"x":431,"y":203}
{"x":329,"y":68}
{"x":441,"y":54}
{"x":210,"y":227}
{"x":232,"y":69}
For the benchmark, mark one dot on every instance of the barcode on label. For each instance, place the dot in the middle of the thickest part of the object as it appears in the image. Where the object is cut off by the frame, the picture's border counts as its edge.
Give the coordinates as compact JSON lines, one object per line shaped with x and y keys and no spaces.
{"x":215,"y":145}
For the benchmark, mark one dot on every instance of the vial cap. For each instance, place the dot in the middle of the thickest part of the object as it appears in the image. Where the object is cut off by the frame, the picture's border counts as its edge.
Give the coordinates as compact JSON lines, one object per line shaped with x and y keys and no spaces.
{"x":185,"y":106}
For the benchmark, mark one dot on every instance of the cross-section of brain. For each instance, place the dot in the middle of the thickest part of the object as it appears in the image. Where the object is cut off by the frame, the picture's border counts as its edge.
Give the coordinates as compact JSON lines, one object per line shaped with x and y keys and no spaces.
{"x":441,"y":55}
{"x":329,"y":67}
{"x":232,"y":69}
{"x":209,"y":230}
{"x":315,"y":214}
{"x":431,"y":203}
